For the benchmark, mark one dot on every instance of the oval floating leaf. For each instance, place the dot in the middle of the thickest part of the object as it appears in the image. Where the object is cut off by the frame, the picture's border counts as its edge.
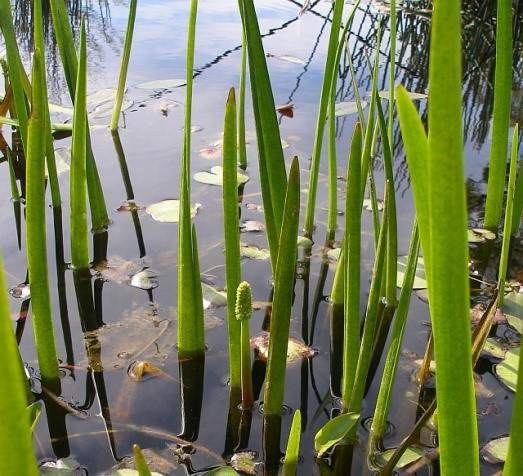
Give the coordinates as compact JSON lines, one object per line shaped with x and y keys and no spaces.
{"x":495,"y":451}
{"x":215,"y":176}
{"x":287,"y":58}
{"x":248,"y":226}
{"x":168,"y":211}
{"x":346,"y":108}
{"x":245,"y":462}
{"x":420,"y":280}
{"x":513,"y":310}
{"x":480,"y":235}
{"x":507,"y":369}
{"x":146,"y":279}
{"x":223,"y":471}
{"x":411,"y":455}
{"x":162,"y":84}
{"x":212,"y":298}
{"x":253,"y":252}
{"x":412,"y":95}
{"x":296,"y":349}
{"x":334,"y":431}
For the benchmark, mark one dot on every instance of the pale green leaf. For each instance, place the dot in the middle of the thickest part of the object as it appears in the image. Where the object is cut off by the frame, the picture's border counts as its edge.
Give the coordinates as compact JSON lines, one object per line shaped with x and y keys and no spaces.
{"x":334,"y":431}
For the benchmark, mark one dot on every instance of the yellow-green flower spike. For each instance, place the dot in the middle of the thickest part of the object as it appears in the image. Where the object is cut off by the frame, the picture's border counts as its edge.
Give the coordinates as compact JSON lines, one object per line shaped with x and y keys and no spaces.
{"x":243,"y":301}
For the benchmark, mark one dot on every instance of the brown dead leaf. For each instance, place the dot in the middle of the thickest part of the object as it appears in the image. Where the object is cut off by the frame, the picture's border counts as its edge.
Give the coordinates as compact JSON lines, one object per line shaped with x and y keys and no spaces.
{"x":286,"y":110}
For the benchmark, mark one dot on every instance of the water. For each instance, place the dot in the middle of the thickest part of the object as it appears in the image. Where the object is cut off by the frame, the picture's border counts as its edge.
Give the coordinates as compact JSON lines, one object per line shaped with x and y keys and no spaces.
{"x":101,"y":411}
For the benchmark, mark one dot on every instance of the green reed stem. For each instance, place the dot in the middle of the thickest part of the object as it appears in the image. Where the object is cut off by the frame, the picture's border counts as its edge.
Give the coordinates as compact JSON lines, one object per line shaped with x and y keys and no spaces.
{"x":518,"y":194}
{"x":371,"y":319}
{"x":448,"y":266}
{"x":139,"y":462}
{"x":329,"y":70}
{"x":232,"y":236}
{"x":78,"y":184}
{"x":243,"y":312}
{"x":191,"y":335}
{"x":16,"y":72}
{"x":242,"y":143}
{"x":509,"y":215}
{"x":384,"y":400}
{"x":501,"y":116}
{"x":15,"y":193}
{"x":332,"y":219}
{"x":36,"y":232}
{"x":290,"y":463}
{"x":283,"y":293}
{"x":124,"y":65}
{"x":392,"y":74}
{"x":352,"y":250}
{"x":338,"y":284}
{"x":16,"y":445}
{"x":273,"y":177}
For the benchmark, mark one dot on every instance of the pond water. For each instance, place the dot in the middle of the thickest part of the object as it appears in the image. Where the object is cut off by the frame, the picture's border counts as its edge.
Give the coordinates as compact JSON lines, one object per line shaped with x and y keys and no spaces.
{"x":103,"y":324}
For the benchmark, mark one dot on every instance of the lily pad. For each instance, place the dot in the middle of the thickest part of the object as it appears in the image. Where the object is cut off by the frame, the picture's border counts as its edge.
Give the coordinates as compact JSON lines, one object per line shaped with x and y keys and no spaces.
{"x":480,"y":235}
{"x":420,"y":281}
{"x":118,"y":270}
{"x":145,"y":279}
{"x":414,"y":96}
{"x":513,"y":309}
{"x":215,"y":176}
{"x":168,"y":211}
{"x":62,"y":467}
{"x":59,"y":109}
{"x":496,"y":450}
{"x":222,"y":471}
{"x":296,"y":349}
{"x":507,"y":369}
{"x":211,"y":153}
{"x":367,"y":204}
{"x":304,"y":242}
{"x":253,"y":252}
{"x":411,"y":455}
{"x":101,"y":96}
{"x":159,"y":463}
{"x":162,"y":84}
{"x":494,"y":349}
{"x":249,"y":226}
{"x":106,"y":109}
{"x":212,"y":298}
{"x":346,"y":108}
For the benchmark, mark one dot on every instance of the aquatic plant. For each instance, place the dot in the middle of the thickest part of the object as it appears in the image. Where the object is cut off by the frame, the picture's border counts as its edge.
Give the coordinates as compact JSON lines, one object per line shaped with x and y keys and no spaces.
{"x":16,"y":446}
{"x":124,"y":65}
{"x":243,"y":311}
{"x":290,"y":462}
{"x":191,"y":340}
{"x":232,"y":239}
{"x":283,"y":291}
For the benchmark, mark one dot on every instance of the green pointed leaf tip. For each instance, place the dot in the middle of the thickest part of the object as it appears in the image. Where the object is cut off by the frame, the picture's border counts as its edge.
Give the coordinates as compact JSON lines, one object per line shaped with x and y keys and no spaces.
{"x":290,"y":462}
{"x":243,"y":301}
{"x":139,"y":461}
{"x":334,"y":431}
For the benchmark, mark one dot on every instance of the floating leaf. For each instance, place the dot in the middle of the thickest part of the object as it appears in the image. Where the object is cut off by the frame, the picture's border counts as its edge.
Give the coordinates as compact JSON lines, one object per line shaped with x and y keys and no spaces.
{"x":62,"y":467}
{"x":162,"y":84}
{"x":215,"y":176}
{"x":146,"y":279}
{"x":346,"y":108}
{"x":59,"y":109}
{"x":168,"y":211}
{"x":129,"y":472}
{"x":480,"y":235}
{"x":411,"y":455}
{"x":495,"y":451}
{"x":288,"y":58}
{"x":494,"y":349}
{"x":334,"y":431}
{"x":101,"y":96}
{"x":513,"y":309}
{"x":248,"y":226}
{"x":507,"y":369}
{"x":245,"y":462}
{"x":254,"y":206}
{"x":106,"y":109}
{"x":296,"y":349}
{"x":253,"y":252}
{"x":142,"y":370}
{"x":118,"y":270}
{"x":21,"y":291}
{"x":212,"y":298}
{"x":412,"y":95}
{"x":420,"y":281}
{"x":367,"y":204}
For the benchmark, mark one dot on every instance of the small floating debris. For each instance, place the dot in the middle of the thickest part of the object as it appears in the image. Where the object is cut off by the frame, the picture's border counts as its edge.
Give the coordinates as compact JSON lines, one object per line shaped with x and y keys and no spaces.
{"x":129,"y":206}
{"x":245,"y":462}
{"x":211,"y":153}
{"x":166,"y":105}
{"x":168,"y":211}
{"x":146,"y":279}
{"x":286,"y":110}
{"x":141,"y":370}
{"x":287,"y":58}
{"x":367,"y":204}
{"x":21,"y":291}
{"x":296,"y":349}
{"x":254,"y":207}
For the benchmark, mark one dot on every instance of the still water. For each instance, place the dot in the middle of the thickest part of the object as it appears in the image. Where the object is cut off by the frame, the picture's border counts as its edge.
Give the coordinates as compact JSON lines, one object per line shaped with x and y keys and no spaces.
{"x":103,"y":324}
